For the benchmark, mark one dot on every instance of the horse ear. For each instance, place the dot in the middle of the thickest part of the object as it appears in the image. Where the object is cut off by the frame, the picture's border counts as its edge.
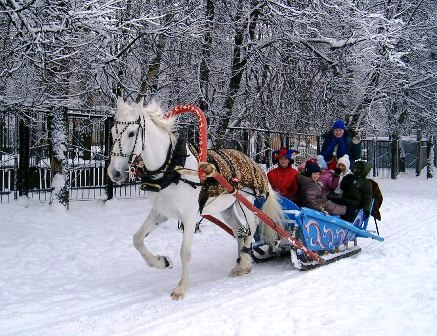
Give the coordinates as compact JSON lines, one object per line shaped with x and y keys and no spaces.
{"x":141,"y":102}
{"x":120,"y":103}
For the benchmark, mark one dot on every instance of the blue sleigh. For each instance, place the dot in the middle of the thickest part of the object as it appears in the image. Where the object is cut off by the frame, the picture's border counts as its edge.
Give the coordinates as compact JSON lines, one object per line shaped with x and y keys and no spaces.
{"x":324,"y":234}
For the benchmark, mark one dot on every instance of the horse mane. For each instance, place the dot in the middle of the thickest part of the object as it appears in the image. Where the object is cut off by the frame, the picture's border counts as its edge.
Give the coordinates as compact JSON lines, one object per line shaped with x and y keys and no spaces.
{"x":154,"y":111}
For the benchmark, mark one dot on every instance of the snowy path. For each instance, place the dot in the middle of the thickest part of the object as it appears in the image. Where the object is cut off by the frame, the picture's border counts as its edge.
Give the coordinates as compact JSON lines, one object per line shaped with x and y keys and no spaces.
{"x":77,"y":273}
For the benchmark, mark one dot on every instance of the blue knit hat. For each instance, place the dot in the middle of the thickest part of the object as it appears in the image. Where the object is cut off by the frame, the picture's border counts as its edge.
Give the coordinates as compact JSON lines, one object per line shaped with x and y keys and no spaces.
{"x":321,"y":162}
{"x":339,"y":124}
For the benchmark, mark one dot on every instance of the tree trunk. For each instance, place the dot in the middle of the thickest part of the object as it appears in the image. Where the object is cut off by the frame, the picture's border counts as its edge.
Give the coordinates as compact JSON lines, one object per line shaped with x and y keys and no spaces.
{"x":58,"y":128}
{"x":204,"y":74}
{"x":239,"y":61}
{"x":24,"y":162}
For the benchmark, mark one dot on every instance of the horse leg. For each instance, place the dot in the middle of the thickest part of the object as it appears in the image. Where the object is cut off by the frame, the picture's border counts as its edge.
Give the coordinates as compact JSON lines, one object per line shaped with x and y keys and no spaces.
{"x":185,"y":253}
{"x":237,"y":216}
{"x":151,"y":222}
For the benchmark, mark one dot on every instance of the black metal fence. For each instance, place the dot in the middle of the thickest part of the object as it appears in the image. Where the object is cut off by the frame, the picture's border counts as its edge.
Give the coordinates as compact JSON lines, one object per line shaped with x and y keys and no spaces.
{"x":25,"y":165}
{"x":411,"y":155}
{"x":25,"y":157}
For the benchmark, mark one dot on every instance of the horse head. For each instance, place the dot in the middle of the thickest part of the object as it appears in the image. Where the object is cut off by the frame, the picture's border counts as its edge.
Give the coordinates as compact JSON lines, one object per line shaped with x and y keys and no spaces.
{"x":127,"y":135}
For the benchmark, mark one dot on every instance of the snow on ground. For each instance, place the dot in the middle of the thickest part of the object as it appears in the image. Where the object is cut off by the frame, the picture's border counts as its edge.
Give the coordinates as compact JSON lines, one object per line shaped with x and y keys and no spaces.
{"x":77,"y":273}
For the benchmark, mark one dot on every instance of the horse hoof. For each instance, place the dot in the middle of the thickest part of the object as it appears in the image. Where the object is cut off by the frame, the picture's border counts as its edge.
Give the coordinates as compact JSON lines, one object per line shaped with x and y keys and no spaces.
{"x":163,"y":263}
{"x":178,"y":293}
{"x":168,"y":263}
{"x":177,"y":296}
{"x":238,"y":271}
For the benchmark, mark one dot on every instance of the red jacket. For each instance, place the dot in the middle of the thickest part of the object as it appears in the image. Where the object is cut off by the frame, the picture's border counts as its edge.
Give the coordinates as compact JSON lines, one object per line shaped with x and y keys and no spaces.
{"x":284,"y":181}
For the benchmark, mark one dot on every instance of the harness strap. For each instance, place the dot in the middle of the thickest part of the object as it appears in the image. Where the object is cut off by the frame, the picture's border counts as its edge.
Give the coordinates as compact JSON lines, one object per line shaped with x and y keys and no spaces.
{"x":175,"y":160}
{"x":245,"y":249}
{"x":191,"y":183}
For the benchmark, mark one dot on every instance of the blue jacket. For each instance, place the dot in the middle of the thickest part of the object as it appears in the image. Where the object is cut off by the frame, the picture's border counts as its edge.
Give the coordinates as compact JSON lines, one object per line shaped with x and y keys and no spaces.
{"x":345,"y":146}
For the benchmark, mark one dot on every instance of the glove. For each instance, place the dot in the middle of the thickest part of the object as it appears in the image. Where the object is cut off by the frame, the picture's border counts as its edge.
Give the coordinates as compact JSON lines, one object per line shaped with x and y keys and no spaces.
{"x":356,"y":137}
{"x":354,"y":132}
{"x":366,"y":214}
{"x":337,"y":172}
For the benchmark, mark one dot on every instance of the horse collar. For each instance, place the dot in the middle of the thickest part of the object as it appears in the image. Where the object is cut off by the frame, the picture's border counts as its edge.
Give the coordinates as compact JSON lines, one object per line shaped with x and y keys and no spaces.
{"x":166,"y":163}
{"x":175,"y":158}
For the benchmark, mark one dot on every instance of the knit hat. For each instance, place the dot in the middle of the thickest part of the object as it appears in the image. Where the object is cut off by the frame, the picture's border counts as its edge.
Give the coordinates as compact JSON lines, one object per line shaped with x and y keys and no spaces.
{"x":344,"y":160}
{"x":339,"y":124}
{"x":283,"y":152}
{"x":321,"y":162}
{"x":311,"y":167}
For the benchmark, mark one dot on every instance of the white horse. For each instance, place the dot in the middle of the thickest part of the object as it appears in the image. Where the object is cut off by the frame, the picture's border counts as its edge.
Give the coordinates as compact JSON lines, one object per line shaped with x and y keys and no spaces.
{"x":143,"y":131}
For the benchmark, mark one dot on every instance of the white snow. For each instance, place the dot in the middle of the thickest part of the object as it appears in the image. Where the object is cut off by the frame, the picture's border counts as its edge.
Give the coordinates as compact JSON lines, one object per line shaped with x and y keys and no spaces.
{"x":77,"y":273}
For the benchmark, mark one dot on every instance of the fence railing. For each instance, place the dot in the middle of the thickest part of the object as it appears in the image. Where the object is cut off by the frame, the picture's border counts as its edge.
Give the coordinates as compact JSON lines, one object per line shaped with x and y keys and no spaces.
{"x":25,"y":166}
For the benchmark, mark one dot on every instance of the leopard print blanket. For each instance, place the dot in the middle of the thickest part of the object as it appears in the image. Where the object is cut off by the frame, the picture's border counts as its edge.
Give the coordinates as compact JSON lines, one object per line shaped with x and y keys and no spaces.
{"x":236,"y":167}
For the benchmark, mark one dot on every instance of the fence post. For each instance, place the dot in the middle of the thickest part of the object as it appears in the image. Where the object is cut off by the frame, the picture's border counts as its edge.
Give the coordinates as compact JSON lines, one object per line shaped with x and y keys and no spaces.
{"x":109,"y":185}
{"x":419,"y":157}
{"x":24,"y":155}
{"x":430,"y":157}
{"x":374,"y":149}
{"x":394,"y":156}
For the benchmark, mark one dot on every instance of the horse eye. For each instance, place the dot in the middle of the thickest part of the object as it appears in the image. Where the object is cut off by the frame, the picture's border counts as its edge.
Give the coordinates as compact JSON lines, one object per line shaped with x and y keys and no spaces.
{"x":131,"y":134}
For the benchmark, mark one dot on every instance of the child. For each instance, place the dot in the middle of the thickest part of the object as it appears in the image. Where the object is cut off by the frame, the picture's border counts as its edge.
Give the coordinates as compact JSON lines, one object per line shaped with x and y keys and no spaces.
{"x":284,"y":177}
{"x":357,"y":191}
{"x":341,"y":171}
{"x":328,"y":178}
{"x":311,"y":192}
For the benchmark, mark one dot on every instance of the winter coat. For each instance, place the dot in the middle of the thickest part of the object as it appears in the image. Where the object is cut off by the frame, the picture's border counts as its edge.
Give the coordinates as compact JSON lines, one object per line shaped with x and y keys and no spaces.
{"x":338,"y":190}
{"x":329,"y":181}
{"x":377,"y":196}
{"x":357,"y":189}
{"x":311,"y":197}
{"x":284,"y":181}
{"x":341,"y":146}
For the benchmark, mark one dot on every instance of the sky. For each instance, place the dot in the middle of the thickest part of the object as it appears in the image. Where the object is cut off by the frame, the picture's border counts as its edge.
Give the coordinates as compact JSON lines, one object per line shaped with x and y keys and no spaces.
{"x":77,"y":273}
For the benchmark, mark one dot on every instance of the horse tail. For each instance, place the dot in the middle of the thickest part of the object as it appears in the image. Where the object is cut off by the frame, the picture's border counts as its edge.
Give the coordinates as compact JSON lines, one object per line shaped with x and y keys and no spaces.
{"x":273,"y":209}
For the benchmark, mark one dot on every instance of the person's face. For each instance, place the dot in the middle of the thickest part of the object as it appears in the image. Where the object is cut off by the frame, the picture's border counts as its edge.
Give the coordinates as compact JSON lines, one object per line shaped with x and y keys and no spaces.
{"x":315,"y":176}
{"x":341,"y":166}
{"x":338,"y":132}
{"x":284,"y":161}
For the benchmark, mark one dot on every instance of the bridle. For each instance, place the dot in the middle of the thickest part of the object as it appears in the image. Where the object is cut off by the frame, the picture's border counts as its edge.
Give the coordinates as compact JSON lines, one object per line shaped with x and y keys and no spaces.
{"x":124,"y":125}
{"x":134,"y":158}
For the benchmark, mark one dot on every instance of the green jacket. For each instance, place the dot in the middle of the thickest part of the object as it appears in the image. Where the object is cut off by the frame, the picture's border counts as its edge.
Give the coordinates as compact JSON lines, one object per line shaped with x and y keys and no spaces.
{"x":357,"y":189}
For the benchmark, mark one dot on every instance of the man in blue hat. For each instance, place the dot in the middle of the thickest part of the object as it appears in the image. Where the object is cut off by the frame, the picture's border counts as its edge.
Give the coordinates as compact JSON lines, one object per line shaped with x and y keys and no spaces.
{"x":339,"y":142}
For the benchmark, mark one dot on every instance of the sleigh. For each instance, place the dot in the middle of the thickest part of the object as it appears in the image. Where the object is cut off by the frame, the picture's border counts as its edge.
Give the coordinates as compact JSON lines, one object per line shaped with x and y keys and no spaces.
{"x":312,"y":238}
{"x":328,"y":236}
